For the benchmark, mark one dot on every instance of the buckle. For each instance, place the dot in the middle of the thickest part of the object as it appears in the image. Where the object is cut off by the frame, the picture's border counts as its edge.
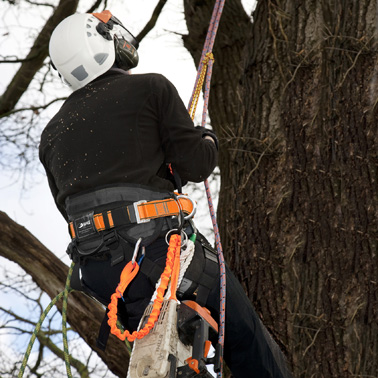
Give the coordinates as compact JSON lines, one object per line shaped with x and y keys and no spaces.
{"x":137,"y":216}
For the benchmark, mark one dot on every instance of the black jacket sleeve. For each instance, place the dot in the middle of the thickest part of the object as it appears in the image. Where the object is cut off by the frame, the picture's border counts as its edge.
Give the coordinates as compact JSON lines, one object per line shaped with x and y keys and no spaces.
{"x":193,"y":157}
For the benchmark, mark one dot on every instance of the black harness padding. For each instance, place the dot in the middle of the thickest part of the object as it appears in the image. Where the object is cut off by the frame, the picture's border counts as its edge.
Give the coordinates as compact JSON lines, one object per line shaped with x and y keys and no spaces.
{"x":122,"y":251}
{"x":202,"y":273}
{"x":209,"y":275}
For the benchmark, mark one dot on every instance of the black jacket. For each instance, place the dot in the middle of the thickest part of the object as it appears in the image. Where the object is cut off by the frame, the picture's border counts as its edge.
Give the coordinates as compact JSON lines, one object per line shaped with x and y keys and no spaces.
{"x":123,"y":128}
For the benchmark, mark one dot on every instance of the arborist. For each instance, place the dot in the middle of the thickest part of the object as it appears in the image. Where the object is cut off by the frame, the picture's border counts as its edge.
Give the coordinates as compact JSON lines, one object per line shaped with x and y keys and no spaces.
{"x":114,"y":155}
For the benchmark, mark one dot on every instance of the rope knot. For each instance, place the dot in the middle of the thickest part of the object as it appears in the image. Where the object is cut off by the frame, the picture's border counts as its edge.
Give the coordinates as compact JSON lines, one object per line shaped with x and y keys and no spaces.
{"x":208,"y":56}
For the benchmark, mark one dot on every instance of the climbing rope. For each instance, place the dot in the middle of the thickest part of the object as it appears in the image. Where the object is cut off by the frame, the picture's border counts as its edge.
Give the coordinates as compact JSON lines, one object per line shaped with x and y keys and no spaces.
{"x":66,"y":291}
{"x":205,"y":69}
{"x":64,"y":295}
{"x":171,"y":272}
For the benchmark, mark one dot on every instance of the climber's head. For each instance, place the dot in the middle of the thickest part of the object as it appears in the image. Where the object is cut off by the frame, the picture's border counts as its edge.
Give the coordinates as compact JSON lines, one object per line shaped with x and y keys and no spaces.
{"x":84,"y":46}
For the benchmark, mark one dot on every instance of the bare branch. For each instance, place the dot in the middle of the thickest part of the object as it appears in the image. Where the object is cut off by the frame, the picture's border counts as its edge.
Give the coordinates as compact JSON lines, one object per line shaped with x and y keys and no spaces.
{"x":32,"y":108}
{"x":40,"y":4}
{"x":17,"y":60}
{"x":94,"y":6}
{"x":152,"y":22}
{"x":78,"y":365}
{"x":38,"y":53}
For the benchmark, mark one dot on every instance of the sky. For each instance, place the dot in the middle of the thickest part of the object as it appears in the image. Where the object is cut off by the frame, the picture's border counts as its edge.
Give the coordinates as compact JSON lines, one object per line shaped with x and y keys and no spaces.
{"x":161,"y":51}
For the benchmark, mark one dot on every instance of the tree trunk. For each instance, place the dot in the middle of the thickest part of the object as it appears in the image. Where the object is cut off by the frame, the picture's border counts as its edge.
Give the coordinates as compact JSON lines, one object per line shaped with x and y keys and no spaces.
{"x":296,"y":118}
{"x":49,"y":273}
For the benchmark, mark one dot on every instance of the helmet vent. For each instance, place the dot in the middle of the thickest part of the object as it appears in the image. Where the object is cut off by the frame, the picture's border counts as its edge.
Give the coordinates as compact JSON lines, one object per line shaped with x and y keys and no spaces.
{"x":100,"y":58}
{"x":79,"y":73}
{"x":89,"y":34}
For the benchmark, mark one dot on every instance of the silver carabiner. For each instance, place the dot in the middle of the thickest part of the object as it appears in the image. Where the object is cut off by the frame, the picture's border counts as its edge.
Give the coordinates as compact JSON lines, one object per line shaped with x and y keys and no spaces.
{"x":136,"y":250}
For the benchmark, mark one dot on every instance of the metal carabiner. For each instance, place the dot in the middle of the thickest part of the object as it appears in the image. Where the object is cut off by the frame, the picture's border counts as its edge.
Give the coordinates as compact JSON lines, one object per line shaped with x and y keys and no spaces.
{"x":136,"y":250}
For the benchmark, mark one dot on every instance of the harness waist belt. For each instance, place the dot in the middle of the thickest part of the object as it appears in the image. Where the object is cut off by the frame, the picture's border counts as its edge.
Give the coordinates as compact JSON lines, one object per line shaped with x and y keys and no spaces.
{"x":138,"y":212}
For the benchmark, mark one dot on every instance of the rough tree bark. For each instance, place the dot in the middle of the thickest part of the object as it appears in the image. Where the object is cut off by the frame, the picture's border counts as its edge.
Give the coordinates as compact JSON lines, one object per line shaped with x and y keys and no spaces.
{"x":84,"y":315}
{"x":295,"y":114}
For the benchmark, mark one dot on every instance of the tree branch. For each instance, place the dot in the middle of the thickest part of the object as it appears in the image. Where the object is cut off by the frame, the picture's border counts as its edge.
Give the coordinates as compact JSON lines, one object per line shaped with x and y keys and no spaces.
{"x":40,"y":4}
{"x":49,"y":273}
{"x":152,"y":22}
{"x":96,"y":4}
{"x":17,"y":60}
{"x":78,"y":365}
{"x":34,"y":60}
{"x":32,"y":108}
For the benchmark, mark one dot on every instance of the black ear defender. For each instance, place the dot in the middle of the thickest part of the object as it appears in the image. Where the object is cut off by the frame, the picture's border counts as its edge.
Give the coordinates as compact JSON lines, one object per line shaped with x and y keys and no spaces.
{"x":125,"y":44}
{"x":126,"y":54}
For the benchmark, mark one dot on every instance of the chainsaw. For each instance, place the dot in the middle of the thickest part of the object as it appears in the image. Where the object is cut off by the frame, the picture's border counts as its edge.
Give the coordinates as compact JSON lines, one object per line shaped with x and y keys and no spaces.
{"x":178,"y":345}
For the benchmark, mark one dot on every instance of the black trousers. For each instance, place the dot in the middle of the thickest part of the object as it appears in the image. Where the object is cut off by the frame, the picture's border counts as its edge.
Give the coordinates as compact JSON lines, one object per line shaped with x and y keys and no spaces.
{"x":249,"y":350}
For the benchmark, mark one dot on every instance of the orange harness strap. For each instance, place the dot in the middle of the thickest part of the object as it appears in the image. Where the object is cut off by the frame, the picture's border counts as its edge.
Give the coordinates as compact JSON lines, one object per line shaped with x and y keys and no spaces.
{"x":143,"y":211}
{"x":171,"y":270}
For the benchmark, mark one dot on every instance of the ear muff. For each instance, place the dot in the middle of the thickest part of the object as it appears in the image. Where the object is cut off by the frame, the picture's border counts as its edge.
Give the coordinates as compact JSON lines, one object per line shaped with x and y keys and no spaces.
{"x":125,"y":44}
{"x":126,"y":55}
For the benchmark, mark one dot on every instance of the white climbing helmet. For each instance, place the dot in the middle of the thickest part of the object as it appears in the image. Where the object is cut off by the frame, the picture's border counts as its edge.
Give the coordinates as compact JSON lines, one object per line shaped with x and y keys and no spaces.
{"x":84,"y":46}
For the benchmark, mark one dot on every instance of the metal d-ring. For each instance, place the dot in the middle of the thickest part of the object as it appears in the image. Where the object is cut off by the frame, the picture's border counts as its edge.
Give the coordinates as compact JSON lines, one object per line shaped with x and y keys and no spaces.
{"x":191,"y":215}
{"x":183,"y":233}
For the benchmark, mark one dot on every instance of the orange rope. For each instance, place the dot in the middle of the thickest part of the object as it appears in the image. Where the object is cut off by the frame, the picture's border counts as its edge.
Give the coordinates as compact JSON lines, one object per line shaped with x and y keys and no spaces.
{"x":171,"y":270}
{"x":175,"y":273}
